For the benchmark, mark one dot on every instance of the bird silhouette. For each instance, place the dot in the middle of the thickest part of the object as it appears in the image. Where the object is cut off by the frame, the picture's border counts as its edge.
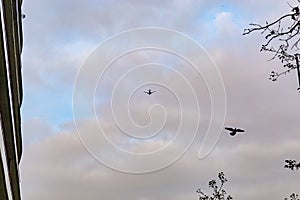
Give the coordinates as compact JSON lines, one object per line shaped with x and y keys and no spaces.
{"x":234,"y":131}
{"x":149,"y":92}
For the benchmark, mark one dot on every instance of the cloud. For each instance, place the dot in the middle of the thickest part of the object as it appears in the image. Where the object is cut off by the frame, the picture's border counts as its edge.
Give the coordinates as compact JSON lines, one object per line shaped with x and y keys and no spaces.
{"x":35,"y":130}
{"x":60,"y":167}
{"x":58,"y":37}
{"x":225,"y":24}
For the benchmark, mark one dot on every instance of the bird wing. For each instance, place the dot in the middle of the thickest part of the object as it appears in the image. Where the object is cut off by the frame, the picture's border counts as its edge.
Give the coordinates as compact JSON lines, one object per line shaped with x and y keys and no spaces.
{"x":229,"y":129}
{"x":240,"y":130}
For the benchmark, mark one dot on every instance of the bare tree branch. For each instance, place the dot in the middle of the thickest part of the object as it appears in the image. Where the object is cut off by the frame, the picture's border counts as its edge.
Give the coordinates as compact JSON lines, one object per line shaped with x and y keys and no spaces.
{"x":282,"y":39}
{"x":219,"y":192}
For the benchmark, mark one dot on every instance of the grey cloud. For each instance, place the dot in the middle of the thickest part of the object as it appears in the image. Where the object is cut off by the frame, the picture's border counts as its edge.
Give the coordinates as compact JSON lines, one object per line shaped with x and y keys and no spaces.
{"x":58,"y":167}
{"x":36,"y":129}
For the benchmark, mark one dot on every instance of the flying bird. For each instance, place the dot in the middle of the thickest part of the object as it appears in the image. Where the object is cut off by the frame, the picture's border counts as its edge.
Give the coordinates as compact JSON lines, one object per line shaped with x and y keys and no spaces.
{"x":234,"y":131}
{"x":149,"y":92}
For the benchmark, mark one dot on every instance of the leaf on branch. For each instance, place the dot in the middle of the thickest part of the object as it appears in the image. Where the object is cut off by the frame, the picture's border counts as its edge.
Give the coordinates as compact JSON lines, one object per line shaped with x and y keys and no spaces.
{"x":292,"y":164}
{"x":296,"y":10}
{"x":218,"y":193}
{"x":293,"y":196}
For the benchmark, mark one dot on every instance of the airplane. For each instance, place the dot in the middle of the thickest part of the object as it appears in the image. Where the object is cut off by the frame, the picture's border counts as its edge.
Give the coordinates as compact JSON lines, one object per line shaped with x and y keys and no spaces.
{"x":234,"y":131}
{"x":149,"y":92}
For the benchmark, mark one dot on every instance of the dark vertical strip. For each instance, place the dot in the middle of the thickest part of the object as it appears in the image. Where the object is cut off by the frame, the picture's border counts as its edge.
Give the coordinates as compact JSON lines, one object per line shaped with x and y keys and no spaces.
{"x":5,"y":106}
{"x":3,"y":190}
{"x":9,"y":14}
{"x":298,"y":70}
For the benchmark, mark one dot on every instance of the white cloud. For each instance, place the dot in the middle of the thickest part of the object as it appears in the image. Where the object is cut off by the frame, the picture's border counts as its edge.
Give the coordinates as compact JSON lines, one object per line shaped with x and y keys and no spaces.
{"x":58,"y":36}
{"x":225,"y":24}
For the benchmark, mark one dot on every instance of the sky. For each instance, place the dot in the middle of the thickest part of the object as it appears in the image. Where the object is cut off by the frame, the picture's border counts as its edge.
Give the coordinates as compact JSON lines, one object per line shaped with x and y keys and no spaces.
{"x":90,"y":132}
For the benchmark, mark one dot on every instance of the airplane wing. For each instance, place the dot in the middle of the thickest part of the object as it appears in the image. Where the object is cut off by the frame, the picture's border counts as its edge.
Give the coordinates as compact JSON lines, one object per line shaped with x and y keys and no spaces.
{"x":229,"y":129}
{"x":240,"y":130}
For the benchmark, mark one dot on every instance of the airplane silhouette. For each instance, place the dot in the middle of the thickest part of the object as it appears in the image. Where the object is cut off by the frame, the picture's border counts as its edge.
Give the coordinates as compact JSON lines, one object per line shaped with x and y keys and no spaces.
{"x":234,"y":131}
{"x":149,"y":92}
